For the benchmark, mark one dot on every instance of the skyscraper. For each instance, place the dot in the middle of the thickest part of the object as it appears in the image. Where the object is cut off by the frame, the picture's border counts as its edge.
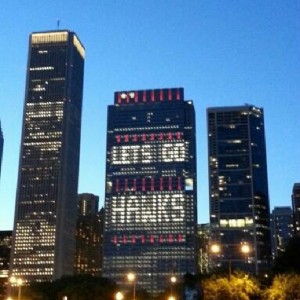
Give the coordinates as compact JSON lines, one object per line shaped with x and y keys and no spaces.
{"x":150,"y":200}
{"x":296,"y":207}
{"x":1,"y":147}
{"x":282,"y":228}
{"x":88,"y":236}
{"x":45,"y":214}
{"x":238,"y":187}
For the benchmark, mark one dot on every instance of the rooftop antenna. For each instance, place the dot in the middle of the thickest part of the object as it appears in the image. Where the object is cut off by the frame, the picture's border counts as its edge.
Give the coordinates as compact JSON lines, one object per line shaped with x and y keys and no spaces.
{"x":58,"y":21}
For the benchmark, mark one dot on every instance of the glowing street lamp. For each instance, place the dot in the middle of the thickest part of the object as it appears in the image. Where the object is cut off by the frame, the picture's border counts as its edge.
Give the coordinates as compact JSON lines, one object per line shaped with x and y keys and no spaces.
{"x":171,"y":298}
{"x":119,"y":296}
{"x":131,"y":277}
{"x":173,"y":280}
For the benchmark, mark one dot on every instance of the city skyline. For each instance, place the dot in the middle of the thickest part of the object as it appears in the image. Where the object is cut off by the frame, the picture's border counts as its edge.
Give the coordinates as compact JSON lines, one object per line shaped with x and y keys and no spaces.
{"x":223,"y":54}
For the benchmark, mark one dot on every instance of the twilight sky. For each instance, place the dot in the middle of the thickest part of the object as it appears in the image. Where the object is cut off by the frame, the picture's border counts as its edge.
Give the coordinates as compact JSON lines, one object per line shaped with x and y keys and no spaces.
{"x":223,"y":52}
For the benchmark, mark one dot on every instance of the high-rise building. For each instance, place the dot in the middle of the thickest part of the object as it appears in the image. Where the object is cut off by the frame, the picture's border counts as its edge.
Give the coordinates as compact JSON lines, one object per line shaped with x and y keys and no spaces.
{"x":238,"y":187}
{"x":282,"y":228}
{"x":88,"y":236}
{"x":296,"y":207}
{"x":150,"y":200}
{"x":5,"y":250}
{"x":1,"y":147}
{"x":45,"y":215}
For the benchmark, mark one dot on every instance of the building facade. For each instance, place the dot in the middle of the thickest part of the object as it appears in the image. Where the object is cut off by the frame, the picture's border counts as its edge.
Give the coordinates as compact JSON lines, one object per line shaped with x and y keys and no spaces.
{"x":282,"y":228}
{"x":238,"y":187}
{"x":296,"y":207}
{"x":150,"y":200}
{"x":5,"y":250}
{"x":88,"y":236}
{"x":45,"y":214}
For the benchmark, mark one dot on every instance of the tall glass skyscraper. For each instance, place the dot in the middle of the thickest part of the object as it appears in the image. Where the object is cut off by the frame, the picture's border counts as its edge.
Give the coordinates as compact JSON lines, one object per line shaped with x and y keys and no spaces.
{"x":45,"y":215}
{"x":150,"y":200}
{"x":238,"y":187}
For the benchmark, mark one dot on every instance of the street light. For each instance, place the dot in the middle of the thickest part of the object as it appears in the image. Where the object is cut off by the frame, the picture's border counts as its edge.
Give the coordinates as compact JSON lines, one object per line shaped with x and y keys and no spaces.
{"x":18,"y":282}
{"x":119,"y":296}
{"x":131,"y":277}
{"x":216,"y":249}
{"x":171,"y":298}
{"x":173,"y":280}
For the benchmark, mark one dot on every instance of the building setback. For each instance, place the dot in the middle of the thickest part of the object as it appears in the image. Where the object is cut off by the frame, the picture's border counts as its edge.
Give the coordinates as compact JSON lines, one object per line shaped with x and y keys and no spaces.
{"x":45,"y":214}
{"x":150,"y":200}
{"x":296,"y":207}
{"x":238,"y":187}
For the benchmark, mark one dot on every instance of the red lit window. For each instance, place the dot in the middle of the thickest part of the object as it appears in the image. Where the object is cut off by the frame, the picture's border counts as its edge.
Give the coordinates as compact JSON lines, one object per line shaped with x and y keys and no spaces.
{"x":152,"y":137}
{"x":178,"y":94}
{"x":161,"y":239}
{"x":152,"y":184}
{"x":152,"y":238}
{"x":170,"y":184}
{"x":118,"y":138}
{"x":178,"y":135}
{"x":152,"y":96}
{"x":124,"y":239}
{"x":169,"y":135}
{"x":114,"y":239}
{"x":161,"y":95}
{"x":170,"y":238}
{"x":119,"y":98}
{"x":135,"y":138}
{"x":161,"y":136}
{"x":133,"y":239}
{"x":180,"y":238}
{"x":126,"y":138}
{"x":126,"y":185}
{"x":136,"y":97}
{"x":144,"y":137}
{"x":142,"y":239}
{"x":144,"y":96}
{"x":161,"y":183}
{"x":170,"y":94}
{"x":134,"y":184}
{"x":179,"y":187}
{"x":143,"y":184}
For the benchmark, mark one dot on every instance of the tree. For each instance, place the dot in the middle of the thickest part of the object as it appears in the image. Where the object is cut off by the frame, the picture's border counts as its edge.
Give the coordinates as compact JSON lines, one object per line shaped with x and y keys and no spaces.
{"x":240,"y":287}
{"x":284,"y":287}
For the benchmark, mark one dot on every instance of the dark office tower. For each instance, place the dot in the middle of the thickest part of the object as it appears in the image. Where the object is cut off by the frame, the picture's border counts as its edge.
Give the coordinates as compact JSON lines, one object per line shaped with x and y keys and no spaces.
{"x":5,"y":249}
{"x":1,"y":147}
{"x":88,"y":236}
{"x":150,"y":200}
{"x":282,"y":229}
{"x":296,"y":207}
{"x":238,"y":187}
{"x":45,"y":214}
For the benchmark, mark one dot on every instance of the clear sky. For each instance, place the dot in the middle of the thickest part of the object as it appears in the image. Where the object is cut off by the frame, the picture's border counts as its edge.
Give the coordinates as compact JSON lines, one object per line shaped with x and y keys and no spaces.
{"x":223,"y":52}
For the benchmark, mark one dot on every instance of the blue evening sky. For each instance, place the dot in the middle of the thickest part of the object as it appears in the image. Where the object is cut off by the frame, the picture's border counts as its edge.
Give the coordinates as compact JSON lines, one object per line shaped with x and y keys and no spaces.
{"x":223,"y":52}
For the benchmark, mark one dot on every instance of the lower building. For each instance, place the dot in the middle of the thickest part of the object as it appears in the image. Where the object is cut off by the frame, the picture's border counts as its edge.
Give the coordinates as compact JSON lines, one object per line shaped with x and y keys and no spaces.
{"x":282,"y":229}
{"x":88,"y":257}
